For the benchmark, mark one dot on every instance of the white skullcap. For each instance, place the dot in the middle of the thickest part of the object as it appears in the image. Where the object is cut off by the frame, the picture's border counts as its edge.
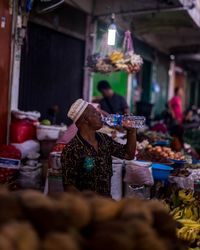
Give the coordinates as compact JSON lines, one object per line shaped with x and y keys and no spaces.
{"x":77,"y":109}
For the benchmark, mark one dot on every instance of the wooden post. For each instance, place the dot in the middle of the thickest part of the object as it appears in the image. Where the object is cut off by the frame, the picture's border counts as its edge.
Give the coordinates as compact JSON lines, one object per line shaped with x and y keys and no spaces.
{"x":5,"y":55}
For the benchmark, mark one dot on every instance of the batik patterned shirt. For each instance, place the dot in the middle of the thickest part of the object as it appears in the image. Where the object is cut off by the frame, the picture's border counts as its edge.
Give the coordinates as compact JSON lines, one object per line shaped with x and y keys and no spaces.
{"x":87,"y":169}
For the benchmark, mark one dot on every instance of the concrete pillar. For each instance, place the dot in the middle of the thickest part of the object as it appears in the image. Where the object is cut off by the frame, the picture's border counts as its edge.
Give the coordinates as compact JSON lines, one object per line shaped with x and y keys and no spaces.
{"x":90,"y":42}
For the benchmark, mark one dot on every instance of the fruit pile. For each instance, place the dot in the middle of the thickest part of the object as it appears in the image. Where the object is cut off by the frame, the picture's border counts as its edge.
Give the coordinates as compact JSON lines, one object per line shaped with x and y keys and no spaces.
{"x":30,"y":220}
{"x":130,"y":63}
{"x":187,"y":214}
{"x":146,"y":155}
{"x":166,"y":152}
{"x":116,"y":61}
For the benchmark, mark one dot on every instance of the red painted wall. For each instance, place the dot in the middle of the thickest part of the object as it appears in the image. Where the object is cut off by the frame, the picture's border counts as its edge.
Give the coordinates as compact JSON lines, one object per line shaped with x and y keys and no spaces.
{"x":5,"y":52}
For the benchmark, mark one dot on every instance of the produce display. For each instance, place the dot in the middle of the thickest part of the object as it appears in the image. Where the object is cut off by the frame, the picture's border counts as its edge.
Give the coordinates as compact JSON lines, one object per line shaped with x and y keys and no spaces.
{"x":30,"y":220}
{"x":193,"y":166}
{"x":116,"y":61}
{"x":145,"y":155}
{"x":153,"y":137}
{"x":187,"y":214}
{"x":166,"y":152}
{"x":158,"y":154}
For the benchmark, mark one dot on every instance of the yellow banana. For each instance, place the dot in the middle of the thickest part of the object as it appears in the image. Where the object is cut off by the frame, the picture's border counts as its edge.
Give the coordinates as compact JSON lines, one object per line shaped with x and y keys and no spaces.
{"x":195,"y":212}
{"x":188,"y":212}
{"x":174,"y":211}
{"x":181,"y":232}
{"x":188,"y":221}
{"x":178,"y":215}
{"x":187,"y":234}
{"x":186,"y":197}
{"x":116,"y":56}
{"x":191,"y":235}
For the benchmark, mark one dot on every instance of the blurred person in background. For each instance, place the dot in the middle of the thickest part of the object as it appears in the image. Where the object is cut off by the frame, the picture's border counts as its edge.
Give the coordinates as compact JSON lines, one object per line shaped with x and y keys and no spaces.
{"x":191,"y":118}
{"x":111,"y":102}
{"x":176,"y":128}
{"x":175,"y":105}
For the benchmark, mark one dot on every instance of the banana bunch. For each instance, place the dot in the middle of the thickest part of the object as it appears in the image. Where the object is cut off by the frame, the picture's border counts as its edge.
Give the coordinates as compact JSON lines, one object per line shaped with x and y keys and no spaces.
{"x":188,"y":234}
{"x":191,"y":212}
{"x":189,"y":209}
{"x":186,"y":196}
{"x":190,"y":223}
{"x":177,"y":213}
{"x":187,"y":212}
{"x":190,"y":230}
{"x":116,"y":56}
{"x":188,"y":215}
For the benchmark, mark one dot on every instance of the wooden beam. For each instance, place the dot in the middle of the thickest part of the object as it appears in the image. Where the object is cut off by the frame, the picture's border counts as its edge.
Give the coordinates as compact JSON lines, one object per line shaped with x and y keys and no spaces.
{"x":5,"y":55}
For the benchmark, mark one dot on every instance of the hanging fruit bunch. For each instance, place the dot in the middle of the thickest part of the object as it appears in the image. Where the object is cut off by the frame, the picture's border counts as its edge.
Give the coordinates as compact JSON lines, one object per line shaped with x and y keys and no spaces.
{"x":98,"y":64}
{"x":130,"y":62}
{"x":126,"y":61}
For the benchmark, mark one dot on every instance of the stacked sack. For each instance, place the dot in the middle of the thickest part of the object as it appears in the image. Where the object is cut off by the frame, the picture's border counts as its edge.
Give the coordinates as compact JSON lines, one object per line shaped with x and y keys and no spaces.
{"x":30,"y":220}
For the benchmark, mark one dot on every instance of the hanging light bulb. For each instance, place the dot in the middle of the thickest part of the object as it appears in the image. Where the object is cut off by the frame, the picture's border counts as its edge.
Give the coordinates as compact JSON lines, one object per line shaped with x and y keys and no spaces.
{"x":112,"y":31}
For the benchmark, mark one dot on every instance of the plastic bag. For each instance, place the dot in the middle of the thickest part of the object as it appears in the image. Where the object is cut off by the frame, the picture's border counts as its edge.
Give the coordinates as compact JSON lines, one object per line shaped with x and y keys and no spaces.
{"x":30,"y":176}
{"x":116,"y":180}
{"x":28,"y":147}
{"x":9,"y":162}
{"x":9,"y":151}
{"x":182,"y":182}
{"x":31,"y":115}
{"x":138,"y":174}
{"x":22,"y":130}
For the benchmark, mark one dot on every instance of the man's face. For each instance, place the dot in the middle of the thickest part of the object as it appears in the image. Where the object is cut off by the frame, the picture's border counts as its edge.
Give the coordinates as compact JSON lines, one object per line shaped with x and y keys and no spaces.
{"x":107,"y":92}
{"x":93,"y":117}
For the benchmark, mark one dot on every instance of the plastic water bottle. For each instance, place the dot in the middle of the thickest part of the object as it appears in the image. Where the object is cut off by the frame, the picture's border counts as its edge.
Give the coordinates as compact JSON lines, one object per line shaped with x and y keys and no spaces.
{"x":115,"y":120}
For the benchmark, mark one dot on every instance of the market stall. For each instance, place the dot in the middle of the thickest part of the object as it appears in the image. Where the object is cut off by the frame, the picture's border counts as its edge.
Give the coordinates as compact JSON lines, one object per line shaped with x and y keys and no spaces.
{"x":158,"y":172}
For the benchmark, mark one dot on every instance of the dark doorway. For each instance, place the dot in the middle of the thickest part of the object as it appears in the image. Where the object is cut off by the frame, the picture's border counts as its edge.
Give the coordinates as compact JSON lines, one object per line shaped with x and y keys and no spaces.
{"x":51,"y":71}
{"x":193,"y":90}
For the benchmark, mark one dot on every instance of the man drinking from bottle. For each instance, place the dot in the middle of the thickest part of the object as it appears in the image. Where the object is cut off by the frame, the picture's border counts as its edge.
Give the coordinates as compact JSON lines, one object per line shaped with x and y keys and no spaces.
{"x":87,"y":159}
